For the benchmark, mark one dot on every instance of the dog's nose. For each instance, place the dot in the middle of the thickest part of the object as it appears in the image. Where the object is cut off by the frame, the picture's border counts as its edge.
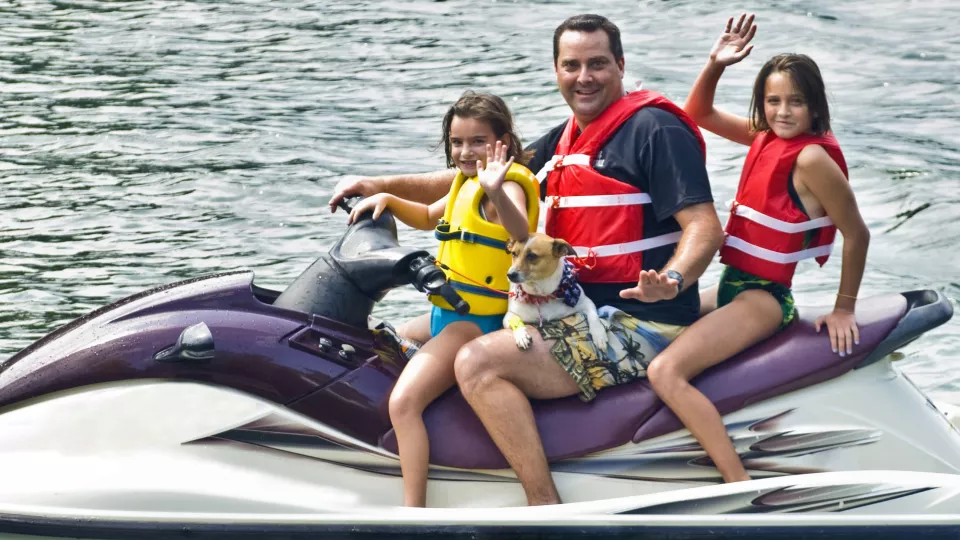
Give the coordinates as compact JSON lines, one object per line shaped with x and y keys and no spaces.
{"x":515,"y":276}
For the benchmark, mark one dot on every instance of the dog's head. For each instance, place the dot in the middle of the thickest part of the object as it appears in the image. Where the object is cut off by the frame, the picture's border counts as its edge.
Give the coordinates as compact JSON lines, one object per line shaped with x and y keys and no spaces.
{"x":537,"y":258}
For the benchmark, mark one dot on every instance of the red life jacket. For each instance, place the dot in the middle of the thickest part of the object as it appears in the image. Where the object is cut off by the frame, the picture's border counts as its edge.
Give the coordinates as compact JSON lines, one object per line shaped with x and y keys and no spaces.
{"x":601,"y":217}
{"x":766,"y":232}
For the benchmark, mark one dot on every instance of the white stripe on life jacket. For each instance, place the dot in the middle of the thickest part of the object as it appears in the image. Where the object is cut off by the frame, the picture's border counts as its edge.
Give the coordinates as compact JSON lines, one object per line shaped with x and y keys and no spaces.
{"x":776,"y":256}
{"x":630,"y":247}
{"x":783,"y":226}
{"x":585,"y":201}
{"x":561,"y":161}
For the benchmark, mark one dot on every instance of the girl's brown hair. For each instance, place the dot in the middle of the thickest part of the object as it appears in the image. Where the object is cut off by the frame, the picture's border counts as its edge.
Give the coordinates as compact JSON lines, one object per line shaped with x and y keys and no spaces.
{"x":487,"y":108}
{"x":806,"y":77}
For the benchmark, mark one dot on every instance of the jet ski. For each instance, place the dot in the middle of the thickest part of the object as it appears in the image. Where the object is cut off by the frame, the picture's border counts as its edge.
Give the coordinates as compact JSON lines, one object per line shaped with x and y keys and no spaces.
{"x":216,"y":407}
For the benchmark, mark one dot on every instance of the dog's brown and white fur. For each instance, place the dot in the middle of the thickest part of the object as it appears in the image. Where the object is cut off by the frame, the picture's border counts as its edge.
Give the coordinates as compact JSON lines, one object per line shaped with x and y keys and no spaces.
{"x":537,"y":270}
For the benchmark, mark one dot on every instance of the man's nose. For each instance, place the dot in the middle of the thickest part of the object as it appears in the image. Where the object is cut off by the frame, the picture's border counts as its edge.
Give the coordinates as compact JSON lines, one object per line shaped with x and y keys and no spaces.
{"x":584,"y":76}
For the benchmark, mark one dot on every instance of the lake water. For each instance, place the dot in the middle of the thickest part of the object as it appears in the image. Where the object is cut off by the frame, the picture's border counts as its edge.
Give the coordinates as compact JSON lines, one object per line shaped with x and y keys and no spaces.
{"x":151,"y":141}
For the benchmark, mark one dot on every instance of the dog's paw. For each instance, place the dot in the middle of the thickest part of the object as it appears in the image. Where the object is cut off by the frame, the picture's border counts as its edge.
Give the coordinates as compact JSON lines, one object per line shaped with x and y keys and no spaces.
{"x":599,"y":334}
{"x":522,"y":337}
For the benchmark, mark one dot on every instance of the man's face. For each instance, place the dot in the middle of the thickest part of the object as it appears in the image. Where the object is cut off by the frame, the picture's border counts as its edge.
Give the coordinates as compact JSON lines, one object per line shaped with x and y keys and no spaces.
{"x":589,"y":77}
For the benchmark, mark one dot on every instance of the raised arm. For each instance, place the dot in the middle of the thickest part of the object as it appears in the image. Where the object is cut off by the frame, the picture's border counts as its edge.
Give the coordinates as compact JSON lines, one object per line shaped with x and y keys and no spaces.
{"x":823,"y":177}
{"x":425,"y":188}
{"x":509,"y":198}
{"x":731,"y":47}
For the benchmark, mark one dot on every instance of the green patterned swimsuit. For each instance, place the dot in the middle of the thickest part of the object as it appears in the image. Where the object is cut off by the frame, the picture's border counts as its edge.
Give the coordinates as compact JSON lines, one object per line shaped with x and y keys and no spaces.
{"x":734,"y":281}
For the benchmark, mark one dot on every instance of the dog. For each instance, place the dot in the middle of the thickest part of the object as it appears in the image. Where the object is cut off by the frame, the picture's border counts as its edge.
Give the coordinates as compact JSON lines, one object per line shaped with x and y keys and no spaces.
{"x":544,"y":288}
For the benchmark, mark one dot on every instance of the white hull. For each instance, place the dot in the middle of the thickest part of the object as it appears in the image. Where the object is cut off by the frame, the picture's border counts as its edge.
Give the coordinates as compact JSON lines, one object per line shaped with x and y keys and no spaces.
{"x":183,"y":453}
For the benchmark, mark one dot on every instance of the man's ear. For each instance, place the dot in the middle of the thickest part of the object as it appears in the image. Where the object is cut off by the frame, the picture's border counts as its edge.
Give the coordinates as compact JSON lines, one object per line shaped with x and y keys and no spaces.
{"x":562,"y":249}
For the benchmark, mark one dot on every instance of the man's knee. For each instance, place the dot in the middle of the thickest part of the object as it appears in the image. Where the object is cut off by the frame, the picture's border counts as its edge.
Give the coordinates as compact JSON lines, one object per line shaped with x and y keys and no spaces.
{"x":472,"y":366}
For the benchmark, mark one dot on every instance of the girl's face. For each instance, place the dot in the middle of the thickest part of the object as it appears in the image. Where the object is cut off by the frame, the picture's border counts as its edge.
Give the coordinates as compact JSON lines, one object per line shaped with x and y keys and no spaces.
{"x":468,"y":142}
{"x":785,"y":107}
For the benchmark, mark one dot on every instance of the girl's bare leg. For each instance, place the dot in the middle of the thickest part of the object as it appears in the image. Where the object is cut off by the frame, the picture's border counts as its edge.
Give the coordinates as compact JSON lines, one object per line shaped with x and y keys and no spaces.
{"x":416,"y":329}
{"x":751,"y":317}
{"x":428,"y":375}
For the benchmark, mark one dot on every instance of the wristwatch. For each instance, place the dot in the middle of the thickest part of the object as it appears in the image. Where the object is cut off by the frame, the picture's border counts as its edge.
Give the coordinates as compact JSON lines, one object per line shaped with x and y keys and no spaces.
{"x":673,"y":274}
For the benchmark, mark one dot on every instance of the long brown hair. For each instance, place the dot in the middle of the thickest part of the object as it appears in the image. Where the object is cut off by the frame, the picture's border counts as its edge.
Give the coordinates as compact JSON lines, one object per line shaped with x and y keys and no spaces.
{"x":490,"y":109}
{"x":805,"y":74}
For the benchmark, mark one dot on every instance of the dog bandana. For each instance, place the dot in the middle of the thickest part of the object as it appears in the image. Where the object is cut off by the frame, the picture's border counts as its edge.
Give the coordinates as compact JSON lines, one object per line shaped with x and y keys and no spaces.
{"x":568,"y":291}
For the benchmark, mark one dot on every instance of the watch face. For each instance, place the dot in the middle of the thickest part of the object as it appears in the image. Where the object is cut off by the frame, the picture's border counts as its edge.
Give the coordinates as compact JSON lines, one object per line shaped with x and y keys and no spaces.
{"x":673,"y":274}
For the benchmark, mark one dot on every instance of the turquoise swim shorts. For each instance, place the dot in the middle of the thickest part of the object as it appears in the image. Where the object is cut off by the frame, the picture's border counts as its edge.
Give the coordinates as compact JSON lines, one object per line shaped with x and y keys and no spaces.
{"x":440,"y":318}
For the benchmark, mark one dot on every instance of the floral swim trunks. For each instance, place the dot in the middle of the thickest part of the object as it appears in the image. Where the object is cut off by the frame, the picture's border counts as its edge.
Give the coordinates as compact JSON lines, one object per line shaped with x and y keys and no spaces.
{"x":631,"y":346}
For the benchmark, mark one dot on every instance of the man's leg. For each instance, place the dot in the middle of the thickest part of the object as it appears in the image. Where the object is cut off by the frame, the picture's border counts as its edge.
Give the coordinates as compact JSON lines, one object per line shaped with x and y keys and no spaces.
{"x":497,"y":378}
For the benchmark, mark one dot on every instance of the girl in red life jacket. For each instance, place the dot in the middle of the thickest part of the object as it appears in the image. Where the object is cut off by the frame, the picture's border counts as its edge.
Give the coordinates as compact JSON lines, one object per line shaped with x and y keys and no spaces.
{"x":793,"y":196}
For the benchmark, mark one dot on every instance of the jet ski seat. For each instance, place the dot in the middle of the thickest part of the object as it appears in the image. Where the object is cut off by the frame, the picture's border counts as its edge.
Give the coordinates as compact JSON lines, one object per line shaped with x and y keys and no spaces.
{"x":795,"y":358}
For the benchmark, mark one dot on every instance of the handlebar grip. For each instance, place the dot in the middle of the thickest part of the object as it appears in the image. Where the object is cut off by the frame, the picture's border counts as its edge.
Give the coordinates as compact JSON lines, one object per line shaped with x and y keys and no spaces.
{"x":453,"y":298}
{"x":427,"y":277}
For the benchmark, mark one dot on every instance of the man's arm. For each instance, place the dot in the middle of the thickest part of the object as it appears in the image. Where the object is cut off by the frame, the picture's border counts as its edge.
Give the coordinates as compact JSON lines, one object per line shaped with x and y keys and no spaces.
{"x":426,"y":188}
{"x":702,"y":237}
{"x":680,"y":189}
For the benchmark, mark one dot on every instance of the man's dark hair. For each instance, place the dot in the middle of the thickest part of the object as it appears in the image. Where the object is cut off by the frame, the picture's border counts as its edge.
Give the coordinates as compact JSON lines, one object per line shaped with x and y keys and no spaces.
{"x":589,"y":23}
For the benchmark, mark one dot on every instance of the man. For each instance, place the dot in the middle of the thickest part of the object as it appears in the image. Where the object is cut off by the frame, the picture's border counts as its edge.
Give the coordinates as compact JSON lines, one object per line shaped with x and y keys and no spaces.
{"x":632,"y":192}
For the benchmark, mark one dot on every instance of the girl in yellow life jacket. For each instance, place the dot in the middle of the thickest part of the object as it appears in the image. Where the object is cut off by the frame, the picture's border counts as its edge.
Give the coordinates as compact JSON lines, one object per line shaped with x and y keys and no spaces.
{"x":494,"y":198}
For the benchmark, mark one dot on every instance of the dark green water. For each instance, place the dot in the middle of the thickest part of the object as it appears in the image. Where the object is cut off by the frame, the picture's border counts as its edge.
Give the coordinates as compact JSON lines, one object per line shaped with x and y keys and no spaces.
{"x":146,"y":142}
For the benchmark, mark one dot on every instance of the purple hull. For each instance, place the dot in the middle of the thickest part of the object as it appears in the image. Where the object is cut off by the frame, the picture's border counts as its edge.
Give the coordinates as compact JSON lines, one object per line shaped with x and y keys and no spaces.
{"x":342,"y":376}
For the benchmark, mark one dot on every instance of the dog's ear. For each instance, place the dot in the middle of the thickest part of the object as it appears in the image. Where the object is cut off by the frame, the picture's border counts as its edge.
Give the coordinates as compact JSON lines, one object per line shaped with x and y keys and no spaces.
{"x":510,"y":243}
{"x":562,"y":249}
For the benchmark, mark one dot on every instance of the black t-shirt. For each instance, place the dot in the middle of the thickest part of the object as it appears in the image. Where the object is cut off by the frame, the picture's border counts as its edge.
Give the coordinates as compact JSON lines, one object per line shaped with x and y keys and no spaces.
{"x":659,"y":154}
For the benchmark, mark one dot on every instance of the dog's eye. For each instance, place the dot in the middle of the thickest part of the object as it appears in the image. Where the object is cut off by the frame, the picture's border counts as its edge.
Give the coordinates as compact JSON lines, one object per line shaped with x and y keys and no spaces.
{"x":531,"y":256}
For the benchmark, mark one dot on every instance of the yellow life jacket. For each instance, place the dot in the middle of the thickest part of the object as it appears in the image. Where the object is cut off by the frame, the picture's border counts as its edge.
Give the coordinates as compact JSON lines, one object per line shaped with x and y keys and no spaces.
{"x":474,"y":249}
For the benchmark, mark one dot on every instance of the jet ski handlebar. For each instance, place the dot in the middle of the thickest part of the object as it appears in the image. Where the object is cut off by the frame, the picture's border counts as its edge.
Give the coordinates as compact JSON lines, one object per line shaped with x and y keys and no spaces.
{"x":427,"y":277}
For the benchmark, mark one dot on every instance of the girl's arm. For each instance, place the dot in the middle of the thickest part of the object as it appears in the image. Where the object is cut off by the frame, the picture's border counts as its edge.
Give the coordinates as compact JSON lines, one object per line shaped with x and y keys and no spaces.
{"x":511,"y":205}
{"x":426,"y":188}
{"x":509,"y":198}
{"x":823,"y":177}
{"x":730,"y":48}
{"x":414,"y":214}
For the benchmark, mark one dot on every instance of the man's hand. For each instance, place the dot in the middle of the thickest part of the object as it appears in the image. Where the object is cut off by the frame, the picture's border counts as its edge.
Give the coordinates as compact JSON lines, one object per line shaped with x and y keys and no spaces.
{"x":354,"y":185}
{"x":652,"y":287}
